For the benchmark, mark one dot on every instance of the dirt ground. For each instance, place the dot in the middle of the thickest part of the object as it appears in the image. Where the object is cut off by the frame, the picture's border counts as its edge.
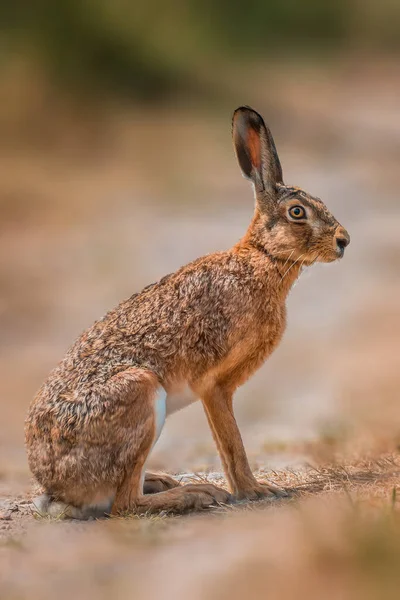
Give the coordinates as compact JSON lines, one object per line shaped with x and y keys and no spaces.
{"x":337,"y":537}
{"x":93,"y":214}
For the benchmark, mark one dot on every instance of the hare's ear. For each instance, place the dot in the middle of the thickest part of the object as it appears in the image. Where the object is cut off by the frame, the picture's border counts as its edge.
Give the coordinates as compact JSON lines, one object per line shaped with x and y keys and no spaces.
{"x":255,"y":149}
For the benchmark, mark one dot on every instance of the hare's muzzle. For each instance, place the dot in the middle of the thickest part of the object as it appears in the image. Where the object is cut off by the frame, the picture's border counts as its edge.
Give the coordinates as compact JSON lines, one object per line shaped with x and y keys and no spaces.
{"x":342,"y":239}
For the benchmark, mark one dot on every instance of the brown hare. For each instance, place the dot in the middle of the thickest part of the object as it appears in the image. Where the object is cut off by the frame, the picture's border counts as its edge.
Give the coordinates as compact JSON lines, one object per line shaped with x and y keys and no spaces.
{"x":205,"y":328}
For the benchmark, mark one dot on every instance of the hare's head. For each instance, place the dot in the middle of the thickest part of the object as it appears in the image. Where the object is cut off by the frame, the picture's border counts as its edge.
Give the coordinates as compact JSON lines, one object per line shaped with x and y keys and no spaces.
{"x":289,"y":223}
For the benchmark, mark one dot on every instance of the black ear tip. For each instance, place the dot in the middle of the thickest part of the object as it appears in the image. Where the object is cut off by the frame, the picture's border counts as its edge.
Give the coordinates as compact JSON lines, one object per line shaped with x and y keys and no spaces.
{"x":244,"y":108}
{"x":249,"y":114}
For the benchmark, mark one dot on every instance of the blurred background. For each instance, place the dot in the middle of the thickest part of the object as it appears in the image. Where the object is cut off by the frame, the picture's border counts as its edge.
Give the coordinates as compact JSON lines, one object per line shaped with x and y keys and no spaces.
{"x":116,"y":167}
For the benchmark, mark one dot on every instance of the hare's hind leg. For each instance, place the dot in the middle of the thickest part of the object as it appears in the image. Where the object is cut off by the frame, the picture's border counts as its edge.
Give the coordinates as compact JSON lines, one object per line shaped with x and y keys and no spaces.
{"x":178,"y":500}
{"x":81,"y":471}
{"x":163,"y":492}
{"x":131,"y":494}
{"x":183,"y":499}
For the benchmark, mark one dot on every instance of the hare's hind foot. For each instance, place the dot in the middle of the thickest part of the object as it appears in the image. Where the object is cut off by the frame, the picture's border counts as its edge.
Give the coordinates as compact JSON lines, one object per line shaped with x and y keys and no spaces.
{"x":179,"y":500}
{"x":158,"y":482}
{"x":262,"y":491}
{"x":47,"y":506}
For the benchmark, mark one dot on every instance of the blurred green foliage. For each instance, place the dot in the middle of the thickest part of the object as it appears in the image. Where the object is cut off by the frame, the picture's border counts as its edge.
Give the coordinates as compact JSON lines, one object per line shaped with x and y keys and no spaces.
{"x":149,"y":47}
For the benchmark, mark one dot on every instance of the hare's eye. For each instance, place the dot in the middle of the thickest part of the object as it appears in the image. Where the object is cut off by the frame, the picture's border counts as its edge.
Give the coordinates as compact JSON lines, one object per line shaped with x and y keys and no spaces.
{"x":297,"y":212}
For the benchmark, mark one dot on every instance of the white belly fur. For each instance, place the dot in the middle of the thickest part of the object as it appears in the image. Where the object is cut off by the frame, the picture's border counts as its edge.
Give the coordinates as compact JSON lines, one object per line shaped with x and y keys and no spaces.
{"x":180,"y":398}
{"x":165,"y":405}
{"x":160,"y":408}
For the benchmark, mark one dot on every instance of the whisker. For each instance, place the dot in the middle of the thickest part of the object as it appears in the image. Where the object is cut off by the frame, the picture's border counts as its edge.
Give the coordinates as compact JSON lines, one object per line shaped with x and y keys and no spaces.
{"x":297,"y":259}
{"x":288,"y":258}
{"x":311,"y":263}
{"x":315,"y":259}
{"x":283,"y":251}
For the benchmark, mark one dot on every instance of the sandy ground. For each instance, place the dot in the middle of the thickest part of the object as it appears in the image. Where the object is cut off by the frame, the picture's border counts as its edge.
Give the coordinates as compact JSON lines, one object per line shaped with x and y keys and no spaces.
{"x":332,"y":537}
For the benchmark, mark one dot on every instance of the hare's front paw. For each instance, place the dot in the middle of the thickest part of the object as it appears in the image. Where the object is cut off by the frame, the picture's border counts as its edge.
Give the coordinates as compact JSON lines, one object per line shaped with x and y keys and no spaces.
{"x":262,"y":490}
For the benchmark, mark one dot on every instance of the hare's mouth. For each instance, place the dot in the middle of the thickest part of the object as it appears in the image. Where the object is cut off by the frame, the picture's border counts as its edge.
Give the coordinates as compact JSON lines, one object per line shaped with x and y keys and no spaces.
{"x":320,"y":257}
{"x":331,"y":256}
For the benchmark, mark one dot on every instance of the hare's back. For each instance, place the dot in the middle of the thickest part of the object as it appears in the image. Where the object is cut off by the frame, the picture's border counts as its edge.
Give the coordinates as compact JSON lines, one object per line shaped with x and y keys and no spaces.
{"x":186,"y":318}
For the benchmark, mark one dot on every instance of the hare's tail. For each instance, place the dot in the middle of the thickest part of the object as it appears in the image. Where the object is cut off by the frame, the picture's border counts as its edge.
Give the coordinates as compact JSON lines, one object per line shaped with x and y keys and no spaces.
{"x":47,"y":506}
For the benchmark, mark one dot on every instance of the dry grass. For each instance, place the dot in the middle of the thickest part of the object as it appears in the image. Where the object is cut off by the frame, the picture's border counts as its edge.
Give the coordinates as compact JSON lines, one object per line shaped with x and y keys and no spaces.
{"x":338,"y":536}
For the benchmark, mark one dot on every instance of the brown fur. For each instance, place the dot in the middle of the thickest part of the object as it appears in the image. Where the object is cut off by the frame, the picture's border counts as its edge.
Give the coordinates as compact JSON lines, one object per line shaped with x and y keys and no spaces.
{"x":211,"y":324}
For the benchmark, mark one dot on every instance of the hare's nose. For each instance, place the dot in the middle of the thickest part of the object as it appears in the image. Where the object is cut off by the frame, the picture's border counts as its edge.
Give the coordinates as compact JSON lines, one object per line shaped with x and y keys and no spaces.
{"x":342,"y":240}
